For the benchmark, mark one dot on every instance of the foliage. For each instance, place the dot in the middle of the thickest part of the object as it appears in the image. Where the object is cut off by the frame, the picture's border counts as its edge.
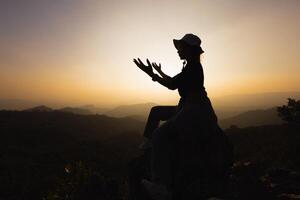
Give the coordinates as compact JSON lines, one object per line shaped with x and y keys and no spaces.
{"x":75,"y":177}
{"x":80,"y":182}
{"x":35,"y":147}
{"x":291,"y":111}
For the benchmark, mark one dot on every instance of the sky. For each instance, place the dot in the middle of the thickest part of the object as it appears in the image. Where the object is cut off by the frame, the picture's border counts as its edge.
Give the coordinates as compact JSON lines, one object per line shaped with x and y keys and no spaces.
{"x":81,"y":51}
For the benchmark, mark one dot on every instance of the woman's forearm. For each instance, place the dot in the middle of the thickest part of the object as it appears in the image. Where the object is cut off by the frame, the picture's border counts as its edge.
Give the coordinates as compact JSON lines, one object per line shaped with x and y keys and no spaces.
{"x":165,"y":81}
{"x":158,"y":69}
{"x":163,"y":74}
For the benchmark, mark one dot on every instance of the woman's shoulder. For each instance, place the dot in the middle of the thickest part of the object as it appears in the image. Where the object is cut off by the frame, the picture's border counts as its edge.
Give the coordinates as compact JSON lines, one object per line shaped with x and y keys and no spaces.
{"x":194,"y":66}
{"x":194,"y":69}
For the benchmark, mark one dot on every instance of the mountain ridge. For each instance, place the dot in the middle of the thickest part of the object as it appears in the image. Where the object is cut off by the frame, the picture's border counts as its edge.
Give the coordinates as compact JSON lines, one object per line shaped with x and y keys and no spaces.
{"x":258,"y":117}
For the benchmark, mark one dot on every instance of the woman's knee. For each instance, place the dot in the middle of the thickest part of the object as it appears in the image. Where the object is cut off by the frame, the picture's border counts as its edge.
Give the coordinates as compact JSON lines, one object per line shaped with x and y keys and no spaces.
{"x":155,"y":112}
{"x":163,"y":112}
{"x":155,"y":109}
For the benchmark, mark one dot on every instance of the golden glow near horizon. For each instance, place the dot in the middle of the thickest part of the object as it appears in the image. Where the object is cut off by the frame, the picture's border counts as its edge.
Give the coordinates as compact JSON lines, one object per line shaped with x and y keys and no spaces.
{"x":81,"y":52}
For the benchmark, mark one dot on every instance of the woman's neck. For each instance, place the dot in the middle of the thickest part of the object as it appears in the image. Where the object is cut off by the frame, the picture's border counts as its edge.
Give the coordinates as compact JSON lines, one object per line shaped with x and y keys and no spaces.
{"x":193,"y":61}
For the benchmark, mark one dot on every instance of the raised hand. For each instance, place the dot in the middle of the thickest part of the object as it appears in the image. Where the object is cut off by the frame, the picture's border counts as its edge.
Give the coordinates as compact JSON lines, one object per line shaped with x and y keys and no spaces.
{"x":146,"y":68}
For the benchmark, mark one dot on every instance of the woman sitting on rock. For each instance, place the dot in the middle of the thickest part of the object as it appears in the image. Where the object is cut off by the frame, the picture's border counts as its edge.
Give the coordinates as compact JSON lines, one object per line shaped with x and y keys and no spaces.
{"x":185,"y":143}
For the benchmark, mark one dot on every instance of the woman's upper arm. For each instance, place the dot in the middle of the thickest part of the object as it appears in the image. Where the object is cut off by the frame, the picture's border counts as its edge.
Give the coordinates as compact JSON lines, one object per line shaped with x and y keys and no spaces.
{"x":174,"y":82}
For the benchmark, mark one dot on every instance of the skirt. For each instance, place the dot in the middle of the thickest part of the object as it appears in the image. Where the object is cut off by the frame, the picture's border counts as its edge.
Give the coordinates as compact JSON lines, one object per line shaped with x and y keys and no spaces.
{"x":182,"y":139}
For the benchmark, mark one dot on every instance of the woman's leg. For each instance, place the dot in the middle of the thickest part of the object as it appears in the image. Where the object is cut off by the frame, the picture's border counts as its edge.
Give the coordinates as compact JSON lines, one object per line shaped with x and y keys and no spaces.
{"x":161,"y":154}
{"x":157,"y":114}
{"x":184,"y":121}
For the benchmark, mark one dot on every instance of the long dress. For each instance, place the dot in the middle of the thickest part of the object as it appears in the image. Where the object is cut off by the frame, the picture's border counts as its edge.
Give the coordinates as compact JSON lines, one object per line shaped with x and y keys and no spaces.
{"x":181,"y":146}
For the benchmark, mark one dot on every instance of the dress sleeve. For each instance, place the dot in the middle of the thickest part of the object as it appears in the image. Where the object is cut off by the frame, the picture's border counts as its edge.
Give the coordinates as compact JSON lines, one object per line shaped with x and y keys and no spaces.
{"x":177,"y":80}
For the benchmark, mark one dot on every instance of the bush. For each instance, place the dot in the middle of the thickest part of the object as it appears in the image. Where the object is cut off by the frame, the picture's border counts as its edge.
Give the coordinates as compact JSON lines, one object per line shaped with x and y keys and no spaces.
{"x":290,"y":112}
{"x":80,"y":183}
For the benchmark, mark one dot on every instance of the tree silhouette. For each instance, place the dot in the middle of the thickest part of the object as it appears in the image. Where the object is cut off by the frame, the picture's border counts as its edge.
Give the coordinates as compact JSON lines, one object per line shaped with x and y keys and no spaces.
{"x":290,"y":112}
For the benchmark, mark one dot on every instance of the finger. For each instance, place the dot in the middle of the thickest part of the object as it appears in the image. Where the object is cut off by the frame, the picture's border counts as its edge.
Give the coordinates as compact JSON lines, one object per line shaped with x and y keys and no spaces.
{"x":139,"y":65}
{"x":149,"y":64}
{"x":136,"y":62}
{"x":140,"y":61}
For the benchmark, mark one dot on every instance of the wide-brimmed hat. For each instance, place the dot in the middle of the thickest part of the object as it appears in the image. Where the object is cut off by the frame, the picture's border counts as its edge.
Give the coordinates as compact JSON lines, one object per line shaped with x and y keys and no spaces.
{"x":188,"y":39}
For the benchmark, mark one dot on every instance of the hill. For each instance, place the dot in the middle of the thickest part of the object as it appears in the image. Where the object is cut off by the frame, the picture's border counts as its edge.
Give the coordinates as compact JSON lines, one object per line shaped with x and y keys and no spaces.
{"x":94,"y":109}
{"x":41,"y":108}
{"x":74,"y":110}
{"x":244,"y":102}
{"x":272,"y":145}
{"x":225,"y":106}
{"x":37,"y":147}
{"x":252,"y":118}
{"x":140,"y":111}
{"x":84,"y":110}
{"x":267,"y":164}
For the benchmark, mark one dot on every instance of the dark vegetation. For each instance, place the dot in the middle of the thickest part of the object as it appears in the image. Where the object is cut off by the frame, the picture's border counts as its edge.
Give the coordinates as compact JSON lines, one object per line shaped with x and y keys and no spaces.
{"x":36,"y":147}
{"x":59,"y":155}
{"x":291,"y":111}
{"x":267,"y":162}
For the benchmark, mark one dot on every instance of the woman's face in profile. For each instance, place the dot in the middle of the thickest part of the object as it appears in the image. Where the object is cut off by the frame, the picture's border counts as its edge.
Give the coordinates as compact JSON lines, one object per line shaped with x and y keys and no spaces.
{"x":182,"y":52}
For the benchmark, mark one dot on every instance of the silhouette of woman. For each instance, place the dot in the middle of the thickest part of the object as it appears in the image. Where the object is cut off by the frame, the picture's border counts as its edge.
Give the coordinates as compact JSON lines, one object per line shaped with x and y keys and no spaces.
{"x":193,"y":120}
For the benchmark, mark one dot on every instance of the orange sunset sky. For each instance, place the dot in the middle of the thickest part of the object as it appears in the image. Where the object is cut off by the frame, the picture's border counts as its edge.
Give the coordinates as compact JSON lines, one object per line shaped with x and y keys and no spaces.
{"x":81,"y":51}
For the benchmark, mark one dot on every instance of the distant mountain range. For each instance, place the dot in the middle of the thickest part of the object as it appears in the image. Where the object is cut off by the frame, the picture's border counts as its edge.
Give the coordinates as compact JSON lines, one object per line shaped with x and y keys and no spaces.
{"x":94,"y":109}
{"x":80,"y":111}
{"x":244,"y":102}
{"x":225,"y":106}
{"x":239,"y":110}
{"x":253,"y":118}
{"x":41,"y":108}
{"x":140,"y":112}
{"x":137,"y":111}
{"x":74,"y":110}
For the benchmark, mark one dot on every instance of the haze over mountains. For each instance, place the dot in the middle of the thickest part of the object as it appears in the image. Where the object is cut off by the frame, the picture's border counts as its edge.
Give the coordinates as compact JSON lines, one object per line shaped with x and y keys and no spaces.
{"x":239,"y":102}
{"x":230,"y":105}
{"x":138,"y":111}
{"x":239,"y":110}
{"x":253,"y":118}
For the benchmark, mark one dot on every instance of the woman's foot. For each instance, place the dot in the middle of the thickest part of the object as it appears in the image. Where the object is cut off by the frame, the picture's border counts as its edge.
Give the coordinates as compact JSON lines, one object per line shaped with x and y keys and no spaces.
{"x":156,"y":191}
